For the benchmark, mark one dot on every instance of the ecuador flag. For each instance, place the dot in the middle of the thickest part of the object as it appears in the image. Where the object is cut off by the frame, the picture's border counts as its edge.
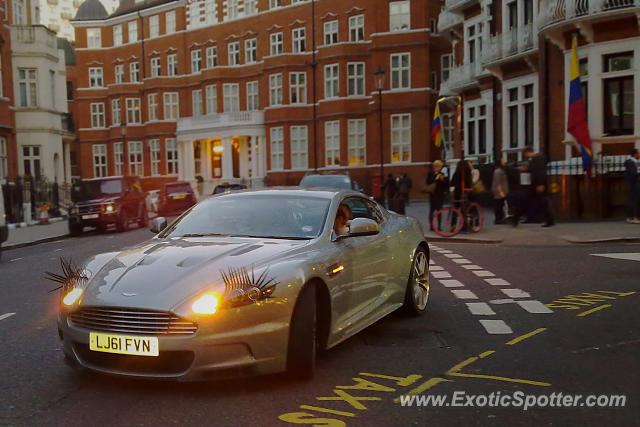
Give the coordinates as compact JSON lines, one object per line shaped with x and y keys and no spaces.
{"x":436,"y":127}
{"x":577,"y":117}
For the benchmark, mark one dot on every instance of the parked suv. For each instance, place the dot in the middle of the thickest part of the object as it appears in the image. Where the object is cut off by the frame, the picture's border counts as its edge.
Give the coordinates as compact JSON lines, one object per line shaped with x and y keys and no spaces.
{"x":332,"y":180}
{"x":175,"y":198}
{"x":101,"y":202}
{"x":4,"y":230}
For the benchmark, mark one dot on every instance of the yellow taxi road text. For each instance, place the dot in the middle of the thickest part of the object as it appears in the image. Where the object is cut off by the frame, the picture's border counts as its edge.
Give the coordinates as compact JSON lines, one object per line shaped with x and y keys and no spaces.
{"x":586,"y":299}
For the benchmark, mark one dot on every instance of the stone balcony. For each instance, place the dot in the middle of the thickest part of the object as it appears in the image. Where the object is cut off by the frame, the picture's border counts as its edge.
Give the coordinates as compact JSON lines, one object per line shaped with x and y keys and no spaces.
{"x":517,"y":41}
{"x":33,"y":39}
{"x":457,"y":6}
{"x":221,"y":124}
{"x":448,"y":21}
{"x":557,"y":12}
{"x":461,"y":77}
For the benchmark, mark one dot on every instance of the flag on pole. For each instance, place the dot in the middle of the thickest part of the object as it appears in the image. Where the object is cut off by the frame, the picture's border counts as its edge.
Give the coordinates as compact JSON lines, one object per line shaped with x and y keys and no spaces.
{"x":577,"y":117}
{"x":436,"y":127}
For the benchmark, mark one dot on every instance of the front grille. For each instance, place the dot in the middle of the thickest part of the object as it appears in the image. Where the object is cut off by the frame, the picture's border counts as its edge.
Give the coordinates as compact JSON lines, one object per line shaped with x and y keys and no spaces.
{"x":133,"y":321}
{"x":89,"y":209}
{"x":166,"y":363}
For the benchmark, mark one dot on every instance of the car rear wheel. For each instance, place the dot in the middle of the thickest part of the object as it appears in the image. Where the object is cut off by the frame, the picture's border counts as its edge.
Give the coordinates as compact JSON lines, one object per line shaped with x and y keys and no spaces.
{"x":417,"y":294}
{"x":301,"y":352}
{"x":123,"y":221}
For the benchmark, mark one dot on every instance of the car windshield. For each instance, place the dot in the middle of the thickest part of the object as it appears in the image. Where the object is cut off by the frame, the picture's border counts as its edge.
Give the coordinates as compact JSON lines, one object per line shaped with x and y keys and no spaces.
{"x":98,"y":189}
{"x":182,"y":187}
{"x":226,"y":188}
{"x":333,"y":181}
{"x":273,"y":216}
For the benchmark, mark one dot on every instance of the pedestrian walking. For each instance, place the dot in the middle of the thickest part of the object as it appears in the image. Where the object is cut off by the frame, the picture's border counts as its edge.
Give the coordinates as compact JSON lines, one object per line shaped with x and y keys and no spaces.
{"x":539,"y":198}
{"x":404,"y":187}
{"x":438,"y":184}
{"x":633,"y":180}
{"x":390,"y":189}
{"x":500,"y":189}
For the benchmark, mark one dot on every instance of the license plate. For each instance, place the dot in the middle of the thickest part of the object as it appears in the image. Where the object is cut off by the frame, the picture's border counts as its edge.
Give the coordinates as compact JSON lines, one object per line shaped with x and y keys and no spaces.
{"x":179,"y":196}
{"x":92,"y":216}
{"x":124,"y":344}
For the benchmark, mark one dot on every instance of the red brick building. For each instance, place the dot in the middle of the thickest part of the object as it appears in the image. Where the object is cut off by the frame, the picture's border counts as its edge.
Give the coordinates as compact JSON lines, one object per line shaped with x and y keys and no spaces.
{"x":215,"y":90}
{"x":8,"y":154}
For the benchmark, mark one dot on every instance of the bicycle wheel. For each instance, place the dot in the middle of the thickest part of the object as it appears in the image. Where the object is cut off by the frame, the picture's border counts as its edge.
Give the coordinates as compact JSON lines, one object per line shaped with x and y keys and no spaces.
{"x":475,"y":217}
{"x":447,"y":222}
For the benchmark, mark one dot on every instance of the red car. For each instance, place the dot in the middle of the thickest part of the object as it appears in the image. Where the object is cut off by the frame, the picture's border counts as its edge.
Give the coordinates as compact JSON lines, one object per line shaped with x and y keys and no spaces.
{"x":175,"y":198}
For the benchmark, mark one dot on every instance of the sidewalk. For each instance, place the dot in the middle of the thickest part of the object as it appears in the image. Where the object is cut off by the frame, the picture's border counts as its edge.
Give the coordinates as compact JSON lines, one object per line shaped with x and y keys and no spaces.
{"x":563,"y":233}
{"x":33,"y":234}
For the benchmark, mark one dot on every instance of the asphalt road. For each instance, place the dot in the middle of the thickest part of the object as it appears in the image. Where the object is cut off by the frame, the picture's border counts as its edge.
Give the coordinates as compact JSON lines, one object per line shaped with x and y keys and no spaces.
{"x":489,"y":329}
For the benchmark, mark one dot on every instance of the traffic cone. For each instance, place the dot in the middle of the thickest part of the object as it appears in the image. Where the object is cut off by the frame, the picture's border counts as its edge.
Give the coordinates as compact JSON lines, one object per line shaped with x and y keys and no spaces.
{"x":44,"y":216}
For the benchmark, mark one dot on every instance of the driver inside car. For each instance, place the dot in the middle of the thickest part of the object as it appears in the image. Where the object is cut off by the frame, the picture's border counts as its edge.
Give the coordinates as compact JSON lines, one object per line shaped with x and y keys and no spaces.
{"x":343,"y":218}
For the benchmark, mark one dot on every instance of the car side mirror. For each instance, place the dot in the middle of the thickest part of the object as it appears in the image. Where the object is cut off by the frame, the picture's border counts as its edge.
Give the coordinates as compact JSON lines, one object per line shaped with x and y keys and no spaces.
{"x":158,"y":224}
{"x":363,"y":227}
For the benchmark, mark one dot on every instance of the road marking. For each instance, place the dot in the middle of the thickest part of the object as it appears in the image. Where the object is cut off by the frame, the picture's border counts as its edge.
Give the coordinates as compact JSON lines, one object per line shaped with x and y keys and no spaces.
{"x":56,"y":250}
{"x":432,"y":262}
{"x":497,"y":282}
{"x":501,"y":301}
{"x":445,"y":251}
{"x":6,"y":316}
{"x":431,"y":382}
{"x":514,"y":293}
{"x":629,"y":256}
{"x":511,"y":380}
{"x":464,"y":294}
{"x":453,"y":256}
{"x":525,"y":336}
{"x":535,"y":307}
{"x":483,"y":273}
{"x":593,"y":310}
{"x":486,"y":353}
{"x":461,"y":365}
{"x":440,"y":274}
{"x":435,"y":268}
{"x":480,"y":308}
{"x":451,"y":283}
{"x":15,"y":259}
{"x":496,"y":326}
{"x":472,"y":267}
{"x":461,"y":261}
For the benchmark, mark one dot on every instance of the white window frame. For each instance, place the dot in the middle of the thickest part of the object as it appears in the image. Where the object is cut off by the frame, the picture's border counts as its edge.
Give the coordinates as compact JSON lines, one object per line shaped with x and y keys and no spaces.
{"x":250,"y":51}
{"x":136,"y":162}
{"x":472,"y":114}
{"x":196,"y":61}
{"x":96,"y":77}
{"x":211,"y":95}
{"x":154,"y":154}
{"x":356,"y":28}
{"x":520,"y":84}
{"x":94,"y":38}
{"x":97,"y":115}
{"x":250,"y":7}
{"x":233,"y":53}
{"x":152,"y":106}
{"x":116,"y":112}
{"x":446,"y":65}
{"x":399,"y":16}
{"x":400,"y":75}
{"x":276,"y":44}
{"x":356,"y":78}
{"x":172,"y":65}
{"x":298,"y":40}
{"x":231,"y":97}
{"x":170,"y":22}
{"x":134,"y":72}
{"x":171,"y":155}
{"x":357,"y":142}
{"x":299,"y":147}
{"x":332,"y":143}
{"x":331,"y":32}
{"x":274,"y":4}
{"x":28,"y":87}
{"x":196,"y":103}
{"x":399,"y":129}
{"x":119,"y":74}
{"x":477,"y":38}
{"x":253,"y":99}
{"x":133,"y":110}
{"x":277,"y":148}
{"x":100,"y":167}
{"x":154,"y":26}
{"x":331,"y":81}
{"x":19,"y":16}
{"x":155,"y":67}
{"x":171,"y":103}
{"x":118,"y":157}
{"x":117,"y":35}
{"x":132,"y":31}
{"x":212,"y":56}
{"x":275,"y":89}
{"x":298,"y":87}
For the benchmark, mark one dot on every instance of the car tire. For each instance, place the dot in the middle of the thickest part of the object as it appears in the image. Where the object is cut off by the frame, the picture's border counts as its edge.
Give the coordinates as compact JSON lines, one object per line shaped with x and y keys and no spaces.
{"x":101,"y":228}
{"x":144,"y":218}
{"x":75,"y":229}
{"x":418,"y":289}
{"x":123,"y":221}
{"x":301,"y":351}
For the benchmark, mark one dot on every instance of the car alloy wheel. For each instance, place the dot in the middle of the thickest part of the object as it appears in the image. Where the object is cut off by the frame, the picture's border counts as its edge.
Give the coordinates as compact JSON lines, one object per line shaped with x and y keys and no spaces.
{"x":417,"y":295}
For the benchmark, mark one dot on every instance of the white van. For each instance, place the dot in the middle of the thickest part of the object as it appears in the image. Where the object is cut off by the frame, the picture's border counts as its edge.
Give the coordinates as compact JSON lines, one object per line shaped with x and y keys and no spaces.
{"x":4,"y":231}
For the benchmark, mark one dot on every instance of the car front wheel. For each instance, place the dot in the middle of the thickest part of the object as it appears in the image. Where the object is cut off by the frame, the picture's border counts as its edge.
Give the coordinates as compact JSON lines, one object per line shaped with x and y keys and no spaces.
{"x":301,"y":353}
{"x":417,"y":295}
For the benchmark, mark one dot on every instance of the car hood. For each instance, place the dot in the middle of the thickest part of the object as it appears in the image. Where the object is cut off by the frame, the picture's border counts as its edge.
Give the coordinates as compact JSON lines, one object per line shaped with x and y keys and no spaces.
{"x":161,"y":274}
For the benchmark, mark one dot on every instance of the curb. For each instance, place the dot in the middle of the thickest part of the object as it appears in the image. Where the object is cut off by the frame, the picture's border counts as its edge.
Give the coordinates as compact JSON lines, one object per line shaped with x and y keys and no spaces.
{"x":604,"y":240}
{"x":34,"y":242}
{"x":463,"y":240}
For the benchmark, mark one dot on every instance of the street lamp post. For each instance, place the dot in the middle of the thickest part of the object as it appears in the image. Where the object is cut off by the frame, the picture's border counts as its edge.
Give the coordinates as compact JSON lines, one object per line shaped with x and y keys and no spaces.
{"x":123,"y":133}
{"x":379,"y":76}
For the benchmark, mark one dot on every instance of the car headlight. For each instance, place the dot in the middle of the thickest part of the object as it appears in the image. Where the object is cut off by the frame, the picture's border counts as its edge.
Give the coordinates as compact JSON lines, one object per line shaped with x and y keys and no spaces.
{"x":206,"y":304}
{"x":72,"y":296}
{"x":110,"y":208}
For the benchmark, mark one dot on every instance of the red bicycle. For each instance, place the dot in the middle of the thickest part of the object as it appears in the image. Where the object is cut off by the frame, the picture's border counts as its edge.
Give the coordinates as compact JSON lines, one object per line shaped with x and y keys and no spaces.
{"x":450,"y":220}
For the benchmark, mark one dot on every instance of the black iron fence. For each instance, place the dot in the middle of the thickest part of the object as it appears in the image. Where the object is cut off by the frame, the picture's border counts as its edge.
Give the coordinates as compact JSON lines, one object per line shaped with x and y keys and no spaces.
{"x":27,"y":196}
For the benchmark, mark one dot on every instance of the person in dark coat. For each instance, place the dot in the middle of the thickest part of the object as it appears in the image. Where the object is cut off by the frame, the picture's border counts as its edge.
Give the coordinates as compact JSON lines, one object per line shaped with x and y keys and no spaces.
{"x":390,"y":188}
{"x":404,"y":187}
{"x":462,"y":170}
{"x":633,"y":180}
{"x":437,"y":196}
{"x":537,"y":168}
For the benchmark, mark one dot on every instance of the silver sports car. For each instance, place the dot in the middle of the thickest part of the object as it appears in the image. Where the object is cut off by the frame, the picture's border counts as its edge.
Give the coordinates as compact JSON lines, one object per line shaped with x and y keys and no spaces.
{"x":244,"y":283}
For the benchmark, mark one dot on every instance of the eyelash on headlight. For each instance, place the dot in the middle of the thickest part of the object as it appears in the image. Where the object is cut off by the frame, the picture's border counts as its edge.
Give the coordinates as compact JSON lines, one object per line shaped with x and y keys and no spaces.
{"x":71,"y":276}
{"x":239,"y":285}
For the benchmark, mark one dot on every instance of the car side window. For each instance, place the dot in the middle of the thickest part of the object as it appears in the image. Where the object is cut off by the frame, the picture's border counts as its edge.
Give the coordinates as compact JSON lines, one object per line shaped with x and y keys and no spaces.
{"x":376,"y":214}
{"x":360,"y":208}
